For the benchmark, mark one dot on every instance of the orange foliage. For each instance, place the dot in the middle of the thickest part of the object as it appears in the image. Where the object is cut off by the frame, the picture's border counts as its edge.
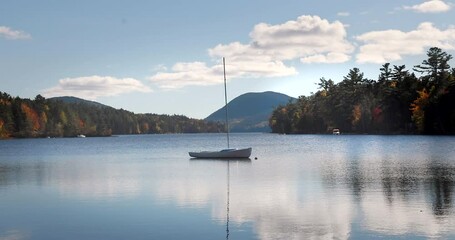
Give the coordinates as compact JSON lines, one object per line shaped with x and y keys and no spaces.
{"x":31,"y":116}
{"x":356,"y":114}
{"x":3,"y":132}
{"x":5,"y":102}
{"x":145,"y":127}
{"x":417,"y":108}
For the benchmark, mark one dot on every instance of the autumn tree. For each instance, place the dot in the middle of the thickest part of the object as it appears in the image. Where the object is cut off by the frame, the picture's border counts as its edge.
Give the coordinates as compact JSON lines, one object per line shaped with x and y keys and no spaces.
{"x":397,"y":102}
{"x":437,"y":84}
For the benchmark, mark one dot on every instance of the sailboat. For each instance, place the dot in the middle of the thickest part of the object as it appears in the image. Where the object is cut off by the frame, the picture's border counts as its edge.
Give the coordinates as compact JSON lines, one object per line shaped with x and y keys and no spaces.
{"x":228,"y":152}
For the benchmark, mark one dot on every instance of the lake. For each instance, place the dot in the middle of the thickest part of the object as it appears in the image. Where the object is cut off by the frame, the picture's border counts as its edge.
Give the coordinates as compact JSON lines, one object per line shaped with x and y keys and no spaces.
{"x":299,"y":187}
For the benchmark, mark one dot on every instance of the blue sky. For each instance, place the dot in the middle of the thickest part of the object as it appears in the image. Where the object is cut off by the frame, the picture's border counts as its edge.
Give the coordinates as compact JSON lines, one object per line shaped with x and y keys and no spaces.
{"x":165,"y":56}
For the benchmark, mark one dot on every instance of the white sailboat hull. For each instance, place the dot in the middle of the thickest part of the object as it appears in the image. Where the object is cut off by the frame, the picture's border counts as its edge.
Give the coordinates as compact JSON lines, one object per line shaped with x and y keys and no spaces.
{"x":225,"y":153}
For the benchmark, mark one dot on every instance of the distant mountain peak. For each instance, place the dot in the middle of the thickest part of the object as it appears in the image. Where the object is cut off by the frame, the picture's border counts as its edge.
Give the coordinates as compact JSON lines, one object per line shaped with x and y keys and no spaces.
{"x":250,"y":112}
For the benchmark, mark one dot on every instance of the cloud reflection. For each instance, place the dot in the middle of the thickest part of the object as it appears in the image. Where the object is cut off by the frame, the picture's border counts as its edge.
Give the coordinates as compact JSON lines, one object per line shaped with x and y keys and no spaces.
{"x":388,"y":196}
{"x":404,"y":216}
{"x":14,"y":235}
{"x":329,"y":197}
{"x":87,"y":180}
{"x":276,"y":208}
{"x":77,"y":179}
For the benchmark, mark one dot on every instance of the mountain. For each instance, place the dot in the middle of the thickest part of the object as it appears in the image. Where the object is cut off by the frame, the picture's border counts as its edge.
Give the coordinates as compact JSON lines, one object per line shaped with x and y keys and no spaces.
{"x":70,"y":99}
{"x":250,"y":112}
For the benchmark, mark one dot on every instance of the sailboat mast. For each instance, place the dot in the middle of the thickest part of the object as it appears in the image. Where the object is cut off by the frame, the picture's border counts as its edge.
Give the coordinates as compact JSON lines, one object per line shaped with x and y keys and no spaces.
{"x":225,"y":102}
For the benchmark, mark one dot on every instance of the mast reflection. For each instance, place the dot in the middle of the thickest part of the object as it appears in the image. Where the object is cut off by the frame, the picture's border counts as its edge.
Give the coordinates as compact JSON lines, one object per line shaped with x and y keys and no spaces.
{"x":227,"y":202}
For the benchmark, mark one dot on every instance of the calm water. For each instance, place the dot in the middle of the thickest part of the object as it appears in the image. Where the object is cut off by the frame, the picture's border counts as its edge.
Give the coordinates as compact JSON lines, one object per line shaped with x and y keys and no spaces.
{"x":300,"y":187}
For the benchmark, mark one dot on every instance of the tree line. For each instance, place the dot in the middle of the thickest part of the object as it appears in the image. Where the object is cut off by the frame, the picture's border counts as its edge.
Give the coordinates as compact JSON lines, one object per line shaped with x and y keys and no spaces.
{"x":398,"y":102}
{"x":54,"y":118}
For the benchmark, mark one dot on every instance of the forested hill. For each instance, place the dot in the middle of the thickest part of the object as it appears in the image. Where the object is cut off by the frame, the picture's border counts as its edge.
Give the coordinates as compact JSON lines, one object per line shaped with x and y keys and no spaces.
{"x":250,"y":112}
{"x":69,"y":117}
{"x":398,"y":102}
{"x":70,"y":99}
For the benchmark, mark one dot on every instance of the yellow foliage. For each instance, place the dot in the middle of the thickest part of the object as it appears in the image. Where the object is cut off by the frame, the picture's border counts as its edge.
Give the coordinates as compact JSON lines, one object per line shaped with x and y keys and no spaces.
{"x":356,"y":114}
{"x":418,"y":109}
{"x":63,"y":117}
{"x":43,"y":118}
{"x":324,"y":93}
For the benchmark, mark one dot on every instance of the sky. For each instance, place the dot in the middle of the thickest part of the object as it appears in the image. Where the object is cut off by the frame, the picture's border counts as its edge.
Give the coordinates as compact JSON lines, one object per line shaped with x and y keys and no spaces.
{"x":165,"y":57}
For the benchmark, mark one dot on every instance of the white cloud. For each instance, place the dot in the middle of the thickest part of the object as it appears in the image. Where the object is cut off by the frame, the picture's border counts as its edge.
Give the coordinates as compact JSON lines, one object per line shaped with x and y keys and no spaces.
{"x":159,"y":67}
{"x":195,"y":73}
{"x":308,"y":38}
{"x":392,"y":45}
{"x":304,"y":37}
{"x":9,"y":33}
{"x":93,"y":87}
{"x":432,"y":6}
{"x":329,"y":58}
{"x":343,"y":14}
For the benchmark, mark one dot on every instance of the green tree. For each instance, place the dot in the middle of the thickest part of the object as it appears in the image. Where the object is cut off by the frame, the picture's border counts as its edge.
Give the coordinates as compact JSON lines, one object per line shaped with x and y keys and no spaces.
{"x":436,"y":67}
{"x":437,"y":81}
{"x":385,"y":74}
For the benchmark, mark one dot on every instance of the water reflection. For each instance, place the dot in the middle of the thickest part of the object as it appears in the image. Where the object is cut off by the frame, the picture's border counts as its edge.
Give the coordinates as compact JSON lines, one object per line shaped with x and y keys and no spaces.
{"x":398,"y":196}
{"x":14,"y":234}
{"x":228,"y":181}
{"x":392,"y":198}
{"x":16,"y":174}
{"x":274,"y":205}
{"x":79,"y":178}
{"x":358,"y":188}
{"x":196,"y":185}
{"x":442,"y":186}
